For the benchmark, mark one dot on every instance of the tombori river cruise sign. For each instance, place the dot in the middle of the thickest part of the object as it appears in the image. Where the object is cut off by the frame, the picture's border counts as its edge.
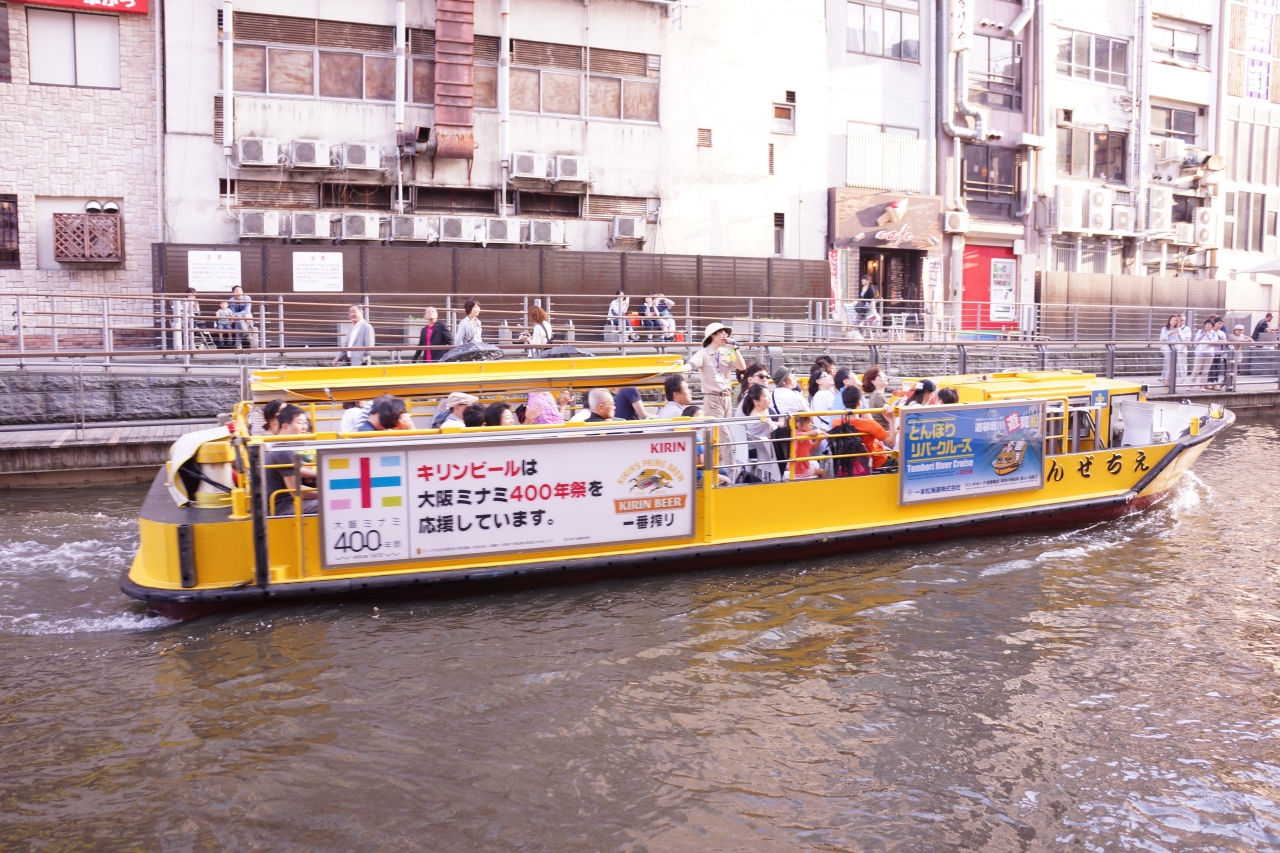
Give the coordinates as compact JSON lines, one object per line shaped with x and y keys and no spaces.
{"x":453,"y":498}
{"x":960,"y":451}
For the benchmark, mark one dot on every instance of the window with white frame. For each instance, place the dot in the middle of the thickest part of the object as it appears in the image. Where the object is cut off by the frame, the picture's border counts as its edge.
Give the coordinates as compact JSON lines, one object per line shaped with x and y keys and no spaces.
{"x":889,"y":28}
{"x":1097,"y":58}
{"x":784,"y":118}
{"x":995,"y":73}
{"x":1176,"y":40}
{"x":1092,"y":154}
{"x":73,"y":49}
{"x":1174,"y":122}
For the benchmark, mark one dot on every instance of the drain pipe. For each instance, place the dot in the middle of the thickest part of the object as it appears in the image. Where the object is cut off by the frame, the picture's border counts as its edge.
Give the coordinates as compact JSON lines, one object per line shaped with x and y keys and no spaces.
{"x":1024,"y":18}
{"x":400,"y":81}
{"x":586,"y":125}
{"x":228,"y":94}
{"x":504,"y":100}
{"x":955,"y":82}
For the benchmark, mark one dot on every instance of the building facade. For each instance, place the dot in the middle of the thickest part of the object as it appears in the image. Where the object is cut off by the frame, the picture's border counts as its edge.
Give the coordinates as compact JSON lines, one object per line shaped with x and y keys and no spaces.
{"x":80,"y":131}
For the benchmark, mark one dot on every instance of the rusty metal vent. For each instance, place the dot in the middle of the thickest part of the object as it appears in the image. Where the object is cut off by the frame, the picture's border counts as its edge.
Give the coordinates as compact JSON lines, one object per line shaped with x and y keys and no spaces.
{"x":619,"y":62}
{"x":250,"y":26}
{"x":704,"y":137}
{"x":487,"y":48}
{"x":356,"y":36}
{"x":545,"y":55}
{"x":94,"y":238}
{"x":609,"y":206}
{"x":296,"y":196}
{"x":422,"y":43}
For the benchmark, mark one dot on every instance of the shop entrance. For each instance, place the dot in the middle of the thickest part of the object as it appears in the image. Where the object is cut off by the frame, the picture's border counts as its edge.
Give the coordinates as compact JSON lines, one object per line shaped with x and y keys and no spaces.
{"x":896,"y":276}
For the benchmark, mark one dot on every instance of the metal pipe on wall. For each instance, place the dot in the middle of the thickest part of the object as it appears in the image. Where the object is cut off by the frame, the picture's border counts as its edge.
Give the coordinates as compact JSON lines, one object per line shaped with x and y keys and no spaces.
{"x":504,"y":99}
{"x":228,"y":93}
{"x":400,"y":97}
{"x":586,"y":124}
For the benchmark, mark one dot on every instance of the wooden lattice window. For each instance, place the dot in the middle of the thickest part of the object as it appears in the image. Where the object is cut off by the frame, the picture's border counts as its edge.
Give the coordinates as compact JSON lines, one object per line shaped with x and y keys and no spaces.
{"x":93,"y":238}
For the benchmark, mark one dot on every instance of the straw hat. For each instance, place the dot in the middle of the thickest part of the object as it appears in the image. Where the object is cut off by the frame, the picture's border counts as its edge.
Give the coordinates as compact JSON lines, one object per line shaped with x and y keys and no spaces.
{"x":712,"y":329}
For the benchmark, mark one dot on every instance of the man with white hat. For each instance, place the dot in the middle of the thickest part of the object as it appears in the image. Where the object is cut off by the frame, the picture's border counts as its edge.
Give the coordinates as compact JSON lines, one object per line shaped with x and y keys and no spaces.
{"x":455,"y":404}
{"x":716,"y":363}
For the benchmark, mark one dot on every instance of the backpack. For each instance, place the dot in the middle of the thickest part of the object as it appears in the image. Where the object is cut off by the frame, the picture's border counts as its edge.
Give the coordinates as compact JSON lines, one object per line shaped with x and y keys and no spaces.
{"x":844,"y":440}
{"x":781,"y":439}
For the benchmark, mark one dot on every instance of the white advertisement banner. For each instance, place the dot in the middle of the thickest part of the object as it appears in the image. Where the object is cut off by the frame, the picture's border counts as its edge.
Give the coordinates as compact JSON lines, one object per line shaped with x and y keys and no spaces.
{"x":449,"y":499}
{"x":317,"y":272}
{"x":213,"y":272}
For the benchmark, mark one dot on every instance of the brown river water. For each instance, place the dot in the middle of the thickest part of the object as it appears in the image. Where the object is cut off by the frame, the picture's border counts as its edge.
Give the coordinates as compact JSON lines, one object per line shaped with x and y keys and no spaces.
{"x":1111,"y":688}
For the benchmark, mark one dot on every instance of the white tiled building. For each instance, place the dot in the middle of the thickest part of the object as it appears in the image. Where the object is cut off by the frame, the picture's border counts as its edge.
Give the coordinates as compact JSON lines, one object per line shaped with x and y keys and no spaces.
{"x":79,"y":123}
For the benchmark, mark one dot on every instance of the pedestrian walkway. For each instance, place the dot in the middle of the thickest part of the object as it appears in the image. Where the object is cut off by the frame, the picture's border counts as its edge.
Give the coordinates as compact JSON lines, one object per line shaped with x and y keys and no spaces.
{"x":60,"y":458}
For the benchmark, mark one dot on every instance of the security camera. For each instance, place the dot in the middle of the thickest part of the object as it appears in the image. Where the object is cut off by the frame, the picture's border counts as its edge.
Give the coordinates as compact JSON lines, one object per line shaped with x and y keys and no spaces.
{"x":995,"y":134}
{"x":93,"y":207}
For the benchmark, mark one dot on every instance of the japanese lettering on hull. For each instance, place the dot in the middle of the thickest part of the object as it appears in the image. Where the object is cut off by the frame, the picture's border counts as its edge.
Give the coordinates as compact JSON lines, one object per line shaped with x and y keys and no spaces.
{"x":458,"y":498}
{"x":961,"y":451}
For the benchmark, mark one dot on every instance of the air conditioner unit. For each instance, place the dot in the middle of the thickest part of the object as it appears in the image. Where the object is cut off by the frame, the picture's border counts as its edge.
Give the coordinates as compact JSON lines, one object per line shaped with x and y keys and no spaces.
{"x":1122,"y":218}
{"x":415,"y":228}
{"x":309,"y":154}
{"x":1160,"y":209}
{"x":546,"y":231}
{"x":956,"y":222}
{"x":1101,"y":200}
{"x":1184,"y":232}
{"x":461,"y":229}
{"x":361,"y":226}
{"x":502,"y":230}
{"x":572,"y":169}
{"x":1067,"y":207}
{"x":1206,"y":226}
{"x":1065,"y":117}
{"x":313,"y":226}
{"x":533,"y":166}
{"x":359,"y":155}
{"x":260,"y":223}
{"x":627,"y":229}
{"x":1171,"y":149}
{"x":258,"y":151}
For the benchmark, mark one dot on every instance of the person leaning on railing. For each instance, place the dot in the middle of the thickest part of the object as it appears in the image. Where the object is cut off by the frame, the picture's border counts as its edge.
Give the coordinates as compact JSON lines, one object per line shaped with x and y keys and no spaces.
{"x":715,"y":363}
{"x":242,"y":310}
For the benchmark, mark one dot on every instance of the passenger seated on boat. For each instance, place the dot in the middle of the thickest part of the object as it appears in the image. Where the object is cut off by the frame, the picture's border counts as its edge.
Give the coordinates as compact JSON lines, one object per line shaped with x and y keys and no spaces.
{"x":387,"y":410}
{"x":759,"y":432}
{"x":923,"y":394}
{"x":600,"y":403}
{"x":473,"y":416}
{"x":450,"y":411}
{"x":876,"y":438}
{"x":676,"y":390}
{"x":806,"y":444}
{"x":542,"y":408}
{"x":948,"y":396}
{"x":268,"y":424}
{"x":500,"y":414}
{"x":283,"y":482}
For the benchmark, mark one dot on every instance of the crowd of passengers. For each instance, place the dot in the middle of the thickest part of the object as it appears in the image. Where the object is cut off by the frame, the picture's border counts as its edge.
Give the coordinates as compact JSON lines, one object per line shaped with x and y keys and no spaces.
{"x":840,"y":424}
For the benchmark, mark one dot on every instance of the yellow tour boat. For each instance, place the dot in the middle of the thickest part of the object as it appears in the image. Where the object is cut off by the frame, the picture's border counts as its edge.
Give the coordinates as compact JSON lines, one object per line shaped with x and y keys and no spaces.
{"x":454,"y":510}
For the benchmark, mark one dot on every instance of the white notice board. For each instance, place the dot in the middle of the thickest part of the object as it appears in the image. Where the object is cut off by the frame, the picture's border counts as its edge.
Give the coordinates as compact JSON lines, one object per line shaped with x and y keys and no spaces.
{"x":213,"y":272}
{"x":449,"y":499}
{"x":1004,"y":292}
{"x":317,"y":272}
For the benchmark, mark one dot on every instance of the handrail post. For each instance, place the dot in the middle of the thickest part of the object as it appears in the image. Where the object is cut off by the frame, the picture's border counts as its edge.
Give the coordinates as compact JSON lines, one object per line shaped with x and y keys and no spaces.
{"x":1111,"y":361}
{"x":1044,"y":356}
{"x":262,"y":330}
{"x":1075,"y":323}
{"x":280,"y":321}
{"x":1114,"y":318}
{"x":962,"y":359}
{"x":106,"y":329}
{"x":53,"y":326}
{"x":184,"y":330}
{"x":22,"y":342}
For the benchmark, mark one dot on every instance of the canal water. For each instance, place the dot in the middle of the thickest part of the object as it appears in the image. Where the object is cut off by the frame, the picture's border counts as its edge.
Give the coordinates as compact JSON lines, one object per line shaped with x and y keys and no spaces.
{"x":1112,"y":688}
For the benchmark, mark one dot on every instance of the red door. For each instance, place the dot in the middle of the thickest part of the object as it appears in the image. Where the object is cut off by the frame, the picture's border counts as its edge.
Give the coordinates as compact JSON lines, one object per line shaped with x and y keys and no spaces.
{"x":990,"y":289}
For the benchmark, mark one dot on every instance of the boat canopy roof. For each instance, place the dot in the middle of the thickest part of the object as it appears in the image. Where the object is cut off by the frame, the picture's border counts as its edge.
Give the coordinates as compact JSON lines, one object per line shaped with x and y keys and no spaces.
{"x":413,"y":380}
{"x":1037,"y":385}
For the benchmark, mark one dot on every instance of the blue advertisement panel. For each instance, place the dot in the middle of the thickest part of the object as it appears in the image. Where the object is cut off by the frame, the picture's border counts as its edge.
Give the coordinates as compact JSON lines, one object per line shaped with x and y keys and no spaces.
{"x":975,"y":449}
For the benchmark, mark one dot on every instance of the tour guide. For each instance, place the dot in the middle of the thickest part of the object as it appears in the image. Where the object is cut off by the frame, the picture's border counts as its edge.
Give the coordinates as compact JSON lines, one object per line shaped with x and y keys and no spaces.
{"x":716,"y":363}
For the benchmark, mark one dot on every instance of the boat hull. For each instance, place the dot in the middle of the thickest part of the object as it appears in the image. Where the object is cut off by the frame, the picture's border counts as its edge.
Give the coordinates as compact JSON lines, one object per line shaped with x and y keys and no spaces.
{"x":1154,"y":483}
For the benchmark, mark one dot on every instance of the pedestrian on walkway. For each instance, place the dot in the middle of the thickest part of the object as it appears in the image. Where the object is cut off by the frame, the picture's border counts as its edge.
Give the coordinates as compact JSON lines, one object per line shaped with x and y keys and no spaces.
{"x":360,"y":339}
{"x":434,"y":334}
{"x":1172,"y":339}
{"x":242,"y":311}
{"x":617,"y":319}
{"x":539,"y":334}
{"x":1204,"y":340}
{"x":469,"y":331}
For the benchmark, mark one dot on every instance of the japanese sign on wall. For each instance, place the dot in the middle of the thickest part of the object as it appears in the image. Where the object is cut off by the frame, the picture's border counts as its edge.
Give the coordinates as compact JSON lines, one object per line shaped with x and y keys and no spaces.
{"x":449,"y":499}
{"x":317,"y":272}
{"x":213,"y":272}
{"x":979,"y":449}
{"x":135,"y":7}
{"x":1004,"y":290}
